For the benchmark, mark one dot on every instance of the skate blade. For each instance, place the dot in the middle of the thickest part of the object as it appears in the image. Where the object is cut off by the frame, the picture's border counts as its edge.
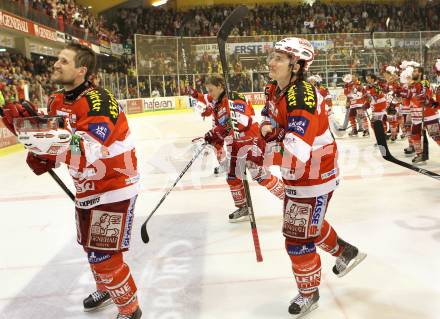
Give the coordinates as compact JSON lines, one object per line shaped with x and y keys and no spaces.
{"x":356,"y":261}
{"x":302,"y":315}
{"x":239,"y":220}
{"x":103,"y":305}
{"x":420,"y":163}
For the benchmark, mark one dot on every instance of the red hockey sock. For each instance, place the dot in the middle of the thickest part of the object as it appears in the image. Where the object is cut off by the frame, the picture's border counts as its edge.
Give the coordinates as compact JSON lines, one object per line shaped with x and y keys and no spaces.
{"x":114,"y":275}
{"x":327,"y":240}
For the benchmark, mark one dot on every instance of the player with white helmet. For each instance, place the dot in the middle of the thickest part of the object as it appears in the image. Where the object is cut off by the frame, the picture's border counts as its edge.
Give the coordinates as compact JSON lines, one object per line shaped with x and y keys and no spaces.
{"x":295,"y":116}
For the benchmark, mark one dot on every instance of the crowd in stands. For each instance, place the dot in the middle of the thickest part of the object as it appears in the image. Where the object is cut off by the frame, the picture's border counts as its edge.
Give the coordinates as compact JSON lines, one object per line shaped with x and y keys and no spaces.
{"x":18,"y":72}
{"x":284,"y":19}
{"x":69,"y":13}
{"x":158,"y":66}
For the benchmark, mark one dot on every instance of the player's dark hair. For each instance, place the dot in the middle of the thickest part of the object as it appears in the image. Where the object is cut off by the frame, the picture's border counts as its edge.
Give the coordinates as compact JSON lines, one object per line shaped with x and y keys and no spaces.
{"x":84,"y":57}
{"x":216,"y":80}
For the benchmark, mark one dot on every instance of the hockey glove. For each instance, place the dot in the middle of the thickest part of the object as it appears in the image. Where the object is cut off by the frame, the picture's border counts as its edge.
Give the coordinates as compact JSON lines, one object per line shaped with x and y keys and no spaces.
{"x":216,"y":135}
{"x":276,"y":135}
{"x":15,"y":110}
{"x":39,"y":165}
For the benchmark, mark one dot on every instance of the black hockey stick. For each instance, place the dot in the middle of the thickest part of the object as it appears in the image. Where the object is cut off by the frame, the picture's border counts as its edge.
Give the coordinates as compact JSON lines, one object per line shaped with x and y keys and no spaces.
{"x":222,"y":36}
{"x":51,"y":172}
{"x":180,"y":33}
{"x":382,"y":143}
{"x":144,"y":233}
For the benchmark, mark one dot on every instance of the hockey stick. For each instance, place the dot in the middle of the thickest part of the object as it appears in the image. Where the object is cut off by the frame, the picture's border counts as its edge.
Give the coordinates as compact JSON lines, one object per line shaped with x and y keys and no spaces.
{"x":222,"y":36}
{"x":382,"y":143}
{"x":180,"y":33}
{"x":55,"y":177}
{"x":144,"y":233}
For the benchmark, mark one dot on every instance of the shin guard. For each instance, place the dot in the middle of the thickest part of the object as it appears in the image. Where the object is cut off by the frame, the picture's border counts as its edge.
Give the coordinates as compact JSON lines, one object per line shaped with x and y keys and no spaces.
{"x":115,"y":276}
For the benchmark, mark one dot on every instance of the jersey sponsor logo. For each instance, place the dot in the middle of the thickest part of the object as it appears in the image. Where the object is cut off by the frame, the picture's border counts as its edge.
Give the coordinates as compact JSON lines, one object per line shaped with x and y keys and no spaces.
{"x":88,"y":202}
{"x":318,"y":215}
{"x":329,"y":173}
{"x":298,"y":250}
{"x":97,"y":257}
{"x":102,"y":102}
{"x":298,"y":124}
{"x":240,"y":107}
{"x":105,"y":230}
{"x":296,"y":219}
{"x":128,"y":226}
{"x":99,"y":130}
{"x":301,"y":96}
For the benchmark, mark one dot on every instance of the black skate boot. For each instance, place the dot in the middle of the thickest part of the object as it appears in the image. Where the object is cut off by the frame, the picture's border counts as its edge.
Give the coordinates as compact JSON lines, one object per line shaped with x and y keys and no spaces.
{"x":239,"y":215}
{"x":135,"y":315}
{"x":97,"y":300}
{"x":349,"y":258}
{"x":217,"y":171}
{"x":301,"y":305}
{"x":409,"y":150}
{"x":393,"y":139}
{"x":353,"y":132}
{"x":419,"y":159}
{"x":366,"y":133}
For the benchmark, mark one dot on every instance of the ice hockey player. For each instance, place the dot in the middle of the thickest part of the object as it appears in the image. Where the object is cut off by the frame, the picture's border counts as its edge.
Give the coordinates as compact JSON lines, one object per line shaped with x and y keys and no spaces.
{"x":356,"y":96}
{"x":102,"y":163}
{"x":424,"y":113}
{"x":393,"y":100}
{"x":204,"y":104}
{"x":248,"y":150}
{"x":309,"y":170}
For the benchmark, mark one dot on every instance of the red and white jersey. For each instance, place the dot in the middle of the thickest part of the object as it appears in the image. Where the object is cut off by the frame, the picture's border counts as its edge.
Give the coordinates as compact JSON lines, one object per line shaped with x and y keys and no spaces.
{"x":421,"y":103}
{"x":393,"y":93}
{"x":406,"y":99}
{"x":326,"y":96}
{"x":101,"y":159}
{"x":246,"y":124}
{"x":377,"y":98}
{"x":309,"y":166}
{"x":356,"y":94}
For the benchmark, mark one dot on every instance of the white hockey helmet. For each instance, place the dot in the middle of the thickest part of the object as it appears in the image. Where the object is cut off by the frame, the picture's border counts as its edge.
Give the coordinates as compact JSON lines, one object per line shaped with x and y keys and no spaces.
{"x":436,"y":67}
{"x":300,"y":48}
{"x":391,"y":69}
{"x":347,"y":78}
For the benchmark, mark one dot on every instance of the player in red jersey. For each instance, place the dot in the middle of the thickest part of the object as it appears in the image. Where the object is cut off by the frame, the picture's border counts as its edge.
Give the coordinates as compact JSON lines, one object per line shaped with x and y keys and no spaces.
{"x":249,"y":149}
{"x":309,"y":170}
{"x":102,"y":163}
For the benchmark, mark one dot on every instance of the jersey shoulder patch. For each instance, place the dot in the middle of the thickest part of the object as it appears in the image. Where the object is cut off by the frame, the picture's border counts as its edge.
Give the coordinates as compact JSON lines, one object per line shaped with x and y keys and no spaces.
{"x":301,"y":96}
{"x":102,"y":103}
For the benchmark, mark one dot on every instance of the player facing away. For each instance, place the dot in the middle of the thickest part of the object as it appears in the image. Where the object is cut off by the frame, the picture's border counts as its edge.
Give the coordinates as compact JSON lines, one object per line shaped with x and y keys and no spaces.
{"x":248,"y":150}
{"x":102,"y":163}
{"x":309,"y":170}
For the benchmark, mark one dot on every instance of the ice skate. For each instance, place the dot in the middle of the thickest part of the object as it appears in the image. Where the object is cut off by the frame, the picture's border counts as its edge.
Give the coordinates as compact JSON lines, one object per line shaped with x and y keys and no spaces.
{"x":419,"y":159}
{"x":135,"y":315}
{"x":409,"y":150}
{"x":240,"y":215}
{"x":97,"y":300}
{"x":366,"y":133}
{"x":349,"y":258}
{"x":353,"y":133}
{"x":301,"y":305}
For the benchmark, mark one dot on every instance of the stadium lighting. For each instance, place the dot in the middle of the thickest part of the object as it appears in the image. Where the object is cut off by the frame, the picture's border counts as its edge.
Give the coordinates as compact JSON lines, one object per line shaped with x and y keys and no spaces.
{"x":159,"y":3}
{"x":2,"y":50}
